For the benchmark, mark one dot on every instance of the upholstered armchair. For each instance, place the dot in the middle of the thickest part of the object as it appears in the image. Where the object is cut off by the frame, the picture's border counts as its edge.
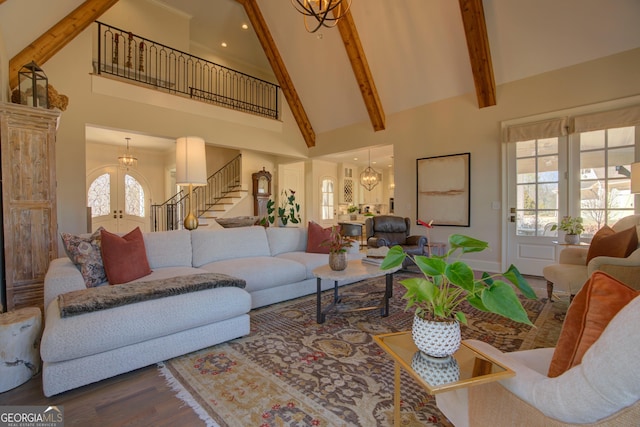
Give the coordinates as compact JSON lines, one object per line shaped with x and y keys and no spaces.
{"x":600,"y":389}
{"x":389,"y":230}
{"x":573,"y":270}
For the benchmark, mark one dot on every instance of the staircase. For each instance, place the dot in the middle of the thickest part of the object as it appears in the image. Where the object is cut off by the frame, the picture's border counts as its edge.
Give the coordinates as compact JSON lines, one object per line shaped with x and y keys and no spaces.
{"x":222,"y":192}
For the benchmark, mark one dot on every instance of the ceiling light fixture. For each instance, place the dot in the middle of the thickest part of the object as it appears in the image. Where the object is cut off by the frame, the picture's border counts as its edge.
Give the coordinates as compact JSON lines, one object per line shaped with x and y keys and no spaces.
{"x":369,"y":178}
{"x":127,"y":160}
{"x":325,"y":12}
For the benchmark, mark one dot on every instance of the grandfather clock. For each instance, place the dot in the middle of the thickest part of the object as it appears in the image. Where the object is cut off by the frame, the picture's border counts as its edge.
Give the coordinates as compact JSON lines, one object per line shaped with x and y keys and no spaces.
{"x":261,"y":192}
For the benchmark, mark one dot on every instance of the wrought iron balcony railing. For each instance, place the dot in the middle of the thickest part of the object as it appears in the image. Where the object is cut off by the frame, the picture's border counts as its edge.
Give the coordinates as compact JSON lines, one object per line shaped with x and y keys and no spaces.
{"x":124,"y":54}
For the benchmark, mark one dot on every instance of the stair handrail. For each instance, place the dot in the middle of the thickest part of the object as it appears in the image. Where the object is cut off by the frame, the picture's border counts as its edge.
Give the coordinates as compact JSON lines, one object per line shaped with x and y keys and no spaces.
{"x":170,"y":214}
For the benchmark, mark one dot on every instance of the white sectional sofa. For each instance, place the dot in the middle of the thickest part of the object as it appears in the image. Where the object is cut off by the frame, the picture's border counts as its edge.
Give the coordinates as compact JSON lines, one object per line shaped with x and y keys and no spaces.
{"x":89,"y":347}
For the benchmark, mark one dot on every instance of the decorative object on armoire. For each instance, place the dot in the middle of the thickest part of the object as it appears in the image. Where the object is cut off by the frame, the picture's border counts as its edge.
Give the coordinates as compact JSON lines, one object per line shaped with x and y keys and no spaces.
{"x":445,"y":285}
{"x":261,"y":195}
{"x":34,"y":86}
{"x":327,"y":13}
{"x":27,"y":141}
{"x":369,"y":177}
{"x":127,"y":159}
{"x":191,"y":170}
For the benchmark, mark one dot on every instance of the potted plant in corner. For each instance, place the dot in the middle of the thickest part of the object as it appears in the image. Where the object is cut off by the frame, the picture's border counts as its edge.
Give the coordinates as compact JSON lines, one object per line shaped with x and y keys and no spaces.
{"x":436,"y":297}
{"x":573,"y":228}
{"x":338,"y":245}
{"x":289,"y":209}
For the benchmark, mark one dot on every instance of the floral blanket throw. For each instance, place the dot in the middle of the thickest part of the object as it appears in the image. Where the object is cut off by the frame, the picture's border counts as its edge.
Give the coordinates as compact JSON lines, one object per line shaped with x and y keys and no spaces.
{"x":103,"y":297}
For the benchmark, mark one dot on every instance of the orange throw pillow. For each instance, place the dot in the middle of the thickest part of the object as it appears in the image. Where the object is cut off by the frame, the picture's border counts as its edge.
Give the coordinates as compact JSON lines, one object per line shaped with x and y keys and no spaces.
{"x":590,"y":312}
{"x":316,"y":236}
{"x":124,"y":258}
{"x":606,"y":242}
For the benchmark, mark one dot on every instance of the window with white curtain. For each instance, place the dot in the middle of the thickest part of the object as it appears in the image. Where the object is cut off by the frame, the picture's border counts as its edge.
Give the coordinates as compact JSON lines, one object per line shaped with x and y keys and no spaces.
{"x":600,"y":148}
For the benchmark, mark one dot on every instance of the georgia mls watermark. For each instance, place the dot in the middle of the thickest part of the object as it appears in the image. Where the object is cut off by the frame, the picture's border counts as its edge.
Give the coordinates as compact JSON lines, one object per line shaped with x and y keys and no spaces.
{"x":31,"y":416}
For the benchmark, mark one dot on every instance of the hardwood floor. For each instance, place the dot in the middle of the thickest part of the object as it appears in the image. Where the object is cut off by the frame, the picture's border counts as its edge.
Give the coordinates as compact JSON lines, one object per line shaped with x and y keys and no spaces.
{"x":138,"y":398}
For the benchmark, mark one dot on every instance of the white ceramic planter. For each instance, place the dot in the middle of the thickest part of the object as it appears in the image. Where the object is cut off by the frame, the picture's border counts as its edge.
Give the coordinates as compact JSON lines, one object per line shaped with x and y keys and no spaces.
{"x":572,"y":239}
{"x":436,"y":338}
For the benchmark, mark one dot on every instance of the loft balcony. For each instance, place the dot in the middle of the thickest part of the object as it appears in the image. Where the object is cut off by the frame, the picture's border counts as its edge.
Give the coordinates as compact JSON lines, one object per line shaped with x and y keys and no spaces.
{"x":127,"y":56}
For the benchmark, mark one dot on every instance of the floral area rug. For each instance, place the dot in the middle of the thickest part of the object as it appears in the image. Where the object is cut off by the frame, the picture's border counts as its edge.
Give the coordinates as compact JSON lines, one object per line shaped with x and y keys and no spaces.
{"x":291,"y":371}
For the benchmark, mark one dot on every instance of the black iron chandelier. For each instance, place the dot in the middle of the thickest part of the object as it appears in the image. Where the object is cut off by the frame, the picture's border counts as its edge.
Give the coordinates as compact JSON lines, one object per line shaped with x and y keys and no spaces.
{"x":325,"y":12}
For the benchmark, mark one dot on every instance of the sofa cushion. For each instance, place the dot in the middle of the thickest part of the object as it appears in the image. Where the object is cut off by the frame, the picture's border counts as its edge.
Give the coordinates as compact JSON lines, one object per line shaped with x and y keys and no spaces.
{"x":229,"y":243}
{"x":124,"y":258}
{"x":588,"y":315}
{"x":260,"y":272}
{"x":168,"y":248}
{"x":606,"y":242}
{"x":84,"y":252}
{"x":73,"y":337}
{"x":316,"y":236}
{"x":286,"y":239}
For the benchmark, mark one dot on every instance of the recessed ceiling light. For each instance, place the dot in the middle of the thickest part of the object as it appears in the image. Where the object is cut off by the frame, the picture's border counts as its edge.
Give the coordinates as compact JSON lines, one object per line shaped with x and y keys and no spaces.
{"x":223,"y":44}
{"x":244,"y":27}
{"x":355,"y":158}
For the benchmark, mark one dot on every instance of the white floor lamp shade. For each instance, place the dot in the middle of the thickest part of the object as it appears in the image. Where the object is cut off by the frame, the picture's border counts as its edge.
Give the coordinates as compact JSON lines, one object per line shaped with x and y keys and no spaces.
{"x":191,"y":169}
{"x":635,"y":177}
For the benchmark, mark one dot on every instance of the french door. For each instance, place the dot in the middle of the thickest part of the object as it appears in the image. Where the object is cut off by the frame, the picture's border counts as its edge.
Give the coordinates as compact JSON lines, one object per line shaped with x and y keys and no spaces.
{"x":536,"y":183}
{"x":117,"y":200}
{"x":585,"y":174}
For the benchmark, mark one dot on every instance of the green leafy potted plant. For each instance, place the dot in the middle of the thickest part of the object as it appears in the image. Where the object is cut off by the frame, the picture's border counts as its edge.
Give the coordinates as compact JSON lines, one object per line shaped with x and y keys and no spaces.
{"x":352,"y":211}
{"x":436,"y":297}
{"x":288,"y":211}
{"x":573,"y":228}
{"x":337,"y":244}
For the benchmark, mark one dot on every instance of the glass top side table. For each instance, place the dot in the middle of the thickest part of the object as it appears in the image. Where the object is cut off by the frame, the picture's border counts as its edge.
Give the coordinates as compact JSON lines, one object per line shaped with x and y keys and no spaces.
{"x":467,"y":367}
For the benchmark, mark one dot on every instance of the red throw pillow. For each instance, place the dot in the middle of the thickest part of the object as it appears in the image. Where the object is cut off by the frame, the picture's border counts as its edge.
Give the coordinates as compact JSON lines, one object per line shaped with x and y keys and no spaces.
{"x":590,"y":312}
{"x":124,"y":258}
{"x":606,"y":242}
{"x":316,"y":236}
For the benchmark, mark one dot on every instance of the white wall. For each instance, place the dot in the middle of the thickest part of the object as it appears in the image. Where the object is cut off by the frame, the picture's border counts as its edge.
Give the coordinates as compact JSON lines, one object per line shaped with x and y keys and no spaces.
{"x":457,"y":125}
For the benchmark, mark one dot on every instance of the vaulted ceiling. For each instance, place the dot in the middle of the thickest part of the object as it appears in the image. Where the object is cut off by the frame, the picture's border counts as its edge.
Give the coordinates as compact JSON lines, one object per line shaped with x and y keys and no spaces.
{"x":407,"y":53}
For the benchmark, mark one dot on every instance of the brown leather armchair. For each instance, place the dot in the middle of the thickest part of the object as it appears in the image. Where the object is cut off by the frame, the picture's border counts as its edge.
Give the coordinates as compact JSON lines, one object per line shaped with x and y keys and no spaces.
{"x":389,"y":230}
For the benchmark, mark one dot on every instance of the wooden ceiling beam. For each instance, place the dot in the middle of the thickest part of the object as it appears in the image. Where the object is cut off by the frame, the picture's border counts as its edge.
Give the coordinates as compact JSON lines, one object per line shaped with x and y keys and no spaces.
{"x":279,"y":69}
{"x":360,"y":66}
{"x":475,"y":29}
{"x":57,"y":37}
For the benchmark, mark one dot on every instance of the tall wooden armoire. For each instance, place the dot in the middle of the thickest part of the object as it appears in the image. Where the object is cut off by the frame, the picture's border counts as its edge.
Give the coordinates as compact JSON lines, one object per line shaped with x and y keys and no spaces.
{"x":27,"y":139}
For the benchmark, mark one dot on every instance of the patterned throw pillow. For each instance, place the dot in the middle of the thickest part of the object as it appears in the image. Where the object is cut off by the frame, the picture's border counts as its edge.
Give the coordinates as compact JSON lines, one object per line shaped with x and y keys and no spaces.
{"x":85,"y":254}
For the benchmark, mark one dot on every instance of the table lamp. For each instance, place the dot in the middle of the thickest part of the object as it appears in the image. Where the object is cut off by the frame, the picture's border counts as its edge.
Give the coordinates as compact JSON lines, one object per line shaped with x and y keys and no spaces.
{"x":191,"y":170}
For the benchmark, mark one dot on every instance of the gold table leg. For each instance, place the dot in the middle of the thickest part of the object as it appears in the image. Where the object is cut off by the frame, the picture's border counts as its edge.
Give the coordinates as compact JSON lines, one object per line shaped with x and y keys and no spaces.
{"x":396,"y":396}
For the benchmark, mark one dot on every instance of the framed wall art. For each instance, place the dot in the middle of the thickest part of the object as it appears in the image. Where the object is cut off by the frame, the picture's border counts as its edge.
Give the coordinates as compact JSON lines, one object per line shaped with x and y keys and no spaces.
{"x":444,"y":189}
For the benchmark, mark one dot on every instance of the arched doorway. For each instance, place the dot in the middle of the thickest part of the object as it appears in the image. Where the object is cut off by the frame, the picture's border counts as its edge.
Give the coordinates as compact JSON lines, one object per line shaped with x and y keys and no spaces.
{"x":118,"y":199}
